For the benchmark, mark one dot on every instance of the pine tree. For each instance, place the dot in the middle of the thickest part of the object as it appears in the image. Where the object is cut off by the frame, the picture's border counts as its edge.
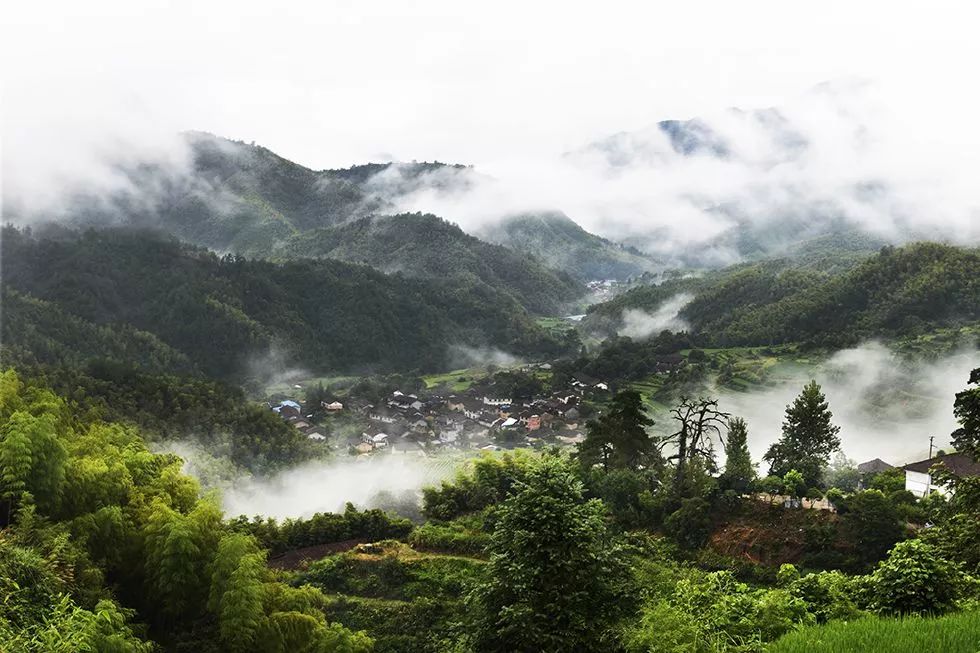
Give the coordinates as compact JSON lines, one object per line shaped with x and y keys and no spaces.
{"x":739,"y":471}
{"x":619,"y":439}
{"x":809,"y":437}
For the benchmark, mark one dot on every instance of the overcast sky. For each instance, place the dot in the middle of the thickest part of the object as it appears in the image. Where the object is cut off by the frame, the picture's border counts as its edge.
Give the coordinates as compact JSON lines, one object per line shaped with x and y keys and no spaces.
{"x":329,"y":84}
{"x":332,"y":83}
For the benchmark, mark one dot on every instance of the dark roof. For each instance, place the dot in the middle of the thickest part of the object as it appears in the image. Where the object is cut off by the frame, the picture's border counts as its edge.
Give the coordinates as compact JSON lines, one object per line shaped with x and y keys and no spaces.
{"x":874,"y":466}
{"x":584,"y":379}
{"x":958,"y":463}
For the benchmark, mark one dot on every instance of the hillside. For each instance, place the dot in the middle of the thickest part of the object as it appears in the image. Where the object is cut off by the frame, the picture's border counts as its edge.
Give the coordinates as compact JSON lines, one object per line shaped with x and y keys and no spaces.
{"x":899,"y":291}
{"x":427,"y":247}
{"x":558,"y":242}
{"x":227,"y":315}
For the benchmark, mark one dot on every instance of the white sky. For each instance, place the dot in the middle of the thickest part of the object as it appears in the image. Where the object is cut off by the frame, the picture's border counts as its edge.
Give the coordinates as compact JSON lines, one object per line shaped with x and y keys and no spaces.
{"x":333,"y":83}
{"x":509,"y":86}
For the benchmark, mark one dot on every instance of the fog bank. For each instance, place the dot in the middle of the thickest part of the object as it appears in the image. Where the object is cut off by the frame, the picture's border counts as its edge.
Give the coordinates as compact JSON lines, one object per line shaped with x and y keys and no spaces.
{"x":640,"y":324}
{"x":886,"y":407}
{"x":376,"y":481}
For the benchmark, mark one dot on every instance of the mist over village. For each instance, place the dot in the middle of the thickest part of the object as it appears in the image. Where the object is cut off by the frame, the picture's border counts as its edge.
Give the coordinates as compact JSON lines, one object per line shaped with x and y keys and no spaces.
{"x":472,"y":328}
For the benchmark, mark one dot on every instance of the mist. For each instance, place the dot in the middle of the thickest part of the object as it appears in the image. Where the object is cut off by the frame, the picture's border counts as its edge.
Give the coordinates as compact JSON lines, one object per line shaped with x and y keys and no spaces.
{"x":369,"y":482}
{"x":464,"y":356}
{"x":886,"y":406}
{"x":641,"y":324}
{"x":838,"y":155}
{"x":548,"y":124}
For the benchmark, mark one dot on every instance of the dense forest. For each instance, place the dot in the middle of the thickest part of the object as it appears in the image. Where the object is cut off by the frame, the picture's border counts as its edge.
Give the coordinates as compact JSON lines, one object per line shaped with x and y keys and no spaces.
{"x":138,"y":297}
{"x":560,"y":243}
{"x":899,"y":291}
{"x":428,"y":247}
{"x":634,"y":544}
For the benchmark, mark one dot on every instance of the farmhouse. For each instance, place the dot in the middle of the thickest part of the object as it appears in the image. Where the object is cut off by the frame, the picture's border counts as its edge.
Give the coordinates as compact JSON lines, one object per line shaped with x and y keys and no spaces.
{"x":919,"y":481}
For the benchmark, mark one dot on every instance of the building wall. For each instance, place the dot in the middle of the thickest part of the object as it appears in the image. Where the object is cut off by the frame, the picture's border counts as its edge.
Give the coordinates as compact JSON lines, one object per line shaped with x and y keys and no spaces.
{"x":920,"y":484}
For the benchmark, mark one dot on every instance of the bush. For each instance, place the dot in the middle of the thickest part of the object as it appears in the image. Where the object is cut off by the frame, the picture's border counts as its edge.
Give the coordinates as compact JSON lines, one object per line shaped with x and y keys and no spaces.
{"x":871,"y":524}
{"x":690,"y":525}
{"x":828,"y":595}
{"x":453,"y":537}
{"x":915,"y":579}
{"x":662,"y":628}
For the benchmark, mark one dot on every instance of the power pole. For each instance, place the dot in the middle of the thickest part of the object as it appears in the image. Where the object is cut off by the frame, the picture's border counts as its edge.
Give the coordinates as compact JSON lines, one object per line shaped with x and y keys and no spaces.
{"x":931,"y":437}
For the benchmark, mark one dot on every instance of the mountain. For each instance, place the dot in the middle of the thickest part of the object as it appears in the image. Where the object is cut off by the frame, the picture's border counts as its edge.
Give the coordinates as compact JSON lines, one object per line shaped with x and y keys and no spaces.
{"x":754,"y":178}
{"x":558,"y":242}
{"x":427,"y":247}
{"x":234,"y":317}
{"x":897,"y":292}
{"x":245,"y":199}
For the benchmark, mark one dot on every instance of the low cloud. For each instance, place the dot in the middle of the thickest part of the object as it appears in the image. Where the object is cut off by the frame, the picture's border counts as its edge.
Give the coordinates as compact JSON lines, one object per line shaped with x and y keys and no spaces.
{"x":886,"y":406}
{"x":326,"y":486}
{"x":463,"y":356}
{"x":640,"y":324}
{"x":841,"y":155}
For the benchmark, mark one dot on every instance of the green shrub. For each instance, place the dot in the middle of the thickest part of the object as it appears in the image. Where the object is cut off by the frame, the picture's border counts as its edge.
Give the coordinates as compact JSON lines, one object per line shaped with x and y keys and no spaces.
{"x":690,"y":525}
{"x":915,"y":579}
{"x":452,"y":537}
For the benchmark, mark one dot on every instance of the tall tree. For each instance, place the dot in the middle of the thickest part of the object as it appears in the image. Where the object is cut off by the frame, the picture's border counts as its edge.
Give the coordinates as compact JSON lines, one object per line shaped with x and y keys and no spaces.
{"x":698,"y":420}
{"x":619,"y":438}
{"x":809,"y":437}
{"x":966,"y":408}
{"x":554,"y":583}
{"x":739,"y":470}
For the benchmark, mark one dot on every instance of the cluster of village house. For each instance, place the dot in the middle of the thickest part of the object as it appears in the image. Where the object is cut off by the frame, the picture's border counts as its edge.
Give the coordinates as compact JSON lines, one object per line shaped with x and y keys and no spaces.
{"x":473,"y":419}
{"x":480,"y":419}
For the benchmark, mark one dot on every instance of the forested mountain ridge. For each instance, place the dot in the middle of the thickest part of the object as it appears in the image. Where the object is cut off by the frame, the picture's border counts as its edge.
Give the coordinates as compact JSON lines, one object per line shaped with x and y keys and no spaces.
{"x":224,"y":312}
{"x":245,"y":199}
{"x":560,"y":243}
{"x":425,"y":246}
{"x":899,"y":291}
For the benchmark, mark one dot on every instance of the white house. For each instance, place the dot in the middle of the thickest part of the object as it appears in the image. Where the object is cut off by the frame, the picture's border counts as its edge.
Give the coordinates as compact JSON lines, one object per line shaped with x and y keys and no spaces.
{"x":919,"y":481}
{"x":497,"y":401}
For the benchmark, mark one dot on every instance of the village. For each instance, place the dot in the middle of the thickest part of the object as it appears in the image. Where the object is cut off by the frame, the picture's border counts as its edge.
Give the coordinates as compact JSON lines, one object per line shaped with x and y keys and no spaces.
{"x":490,"y":415}
{"x":487,"y":416}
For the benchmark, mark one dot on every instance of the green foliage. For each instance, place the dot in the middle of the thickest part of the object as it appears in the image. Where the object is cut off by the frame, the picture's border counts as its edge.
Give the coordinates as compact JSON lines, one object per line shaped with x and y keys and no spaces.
{"x":224,"y":314}
{"x":899,"y":291}
{"x":794,"y":484}
{"x":842,"y":474}
{"x":486,"y":481}
{"x":829,"y":595}
{"x":554,"y":581}
{"x":455,"y":537}
{"x":871,"y":524}
{"x":716,"y":613}
{"x":560,"y":243}
{"x":619,"y":438}
{"x":915,"y":579}
{"x":691,"y":524}
{"x":739,"y":474}
{"x":966,"y":408}
{"x":425,"y":246}
{"x":323,"y":528}
{"x":113,"y":511}
{"x":809,"y":437}
{"x":888,"y":482}
{"x":950,"y":634}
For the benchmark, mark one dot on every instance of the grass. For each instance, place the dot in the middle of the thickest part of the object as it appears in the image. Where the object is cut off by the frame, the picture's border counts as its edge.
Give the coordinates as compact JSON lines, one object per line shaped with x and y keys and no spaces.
{"x":456,"y":381}
{"x":957,"y":633}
